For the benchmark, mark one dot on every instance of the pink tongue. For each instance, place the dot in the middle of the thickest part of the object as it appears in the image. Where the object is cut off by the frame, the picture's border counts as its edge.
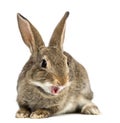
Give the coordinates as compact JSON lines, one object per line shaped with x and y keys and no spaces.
{"x":54,"y":89}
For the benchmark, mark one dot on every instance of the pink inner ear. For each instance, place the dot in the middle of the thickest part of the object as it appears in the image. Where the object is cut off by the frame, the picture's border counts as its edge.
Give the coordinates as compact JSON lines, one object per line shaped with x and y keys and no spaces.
{"x":26,"y":31}
{"x":54,"y":89}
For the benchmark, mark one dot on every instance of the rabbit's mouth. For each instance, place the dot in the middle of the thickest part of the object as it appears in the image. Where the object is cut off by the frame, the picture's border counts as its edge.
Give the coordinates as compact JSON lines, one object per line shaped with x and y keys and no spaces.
{"x":49,"y":88}
{"x":55,"y":90}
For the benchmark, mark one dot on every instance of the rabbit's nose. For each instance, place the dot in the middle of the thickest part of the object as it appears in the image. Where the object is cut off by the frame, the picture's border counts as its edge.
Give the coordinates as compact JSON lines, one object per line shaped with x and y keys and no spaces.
{"x":60,"y":81}
{"x":57,"y":83}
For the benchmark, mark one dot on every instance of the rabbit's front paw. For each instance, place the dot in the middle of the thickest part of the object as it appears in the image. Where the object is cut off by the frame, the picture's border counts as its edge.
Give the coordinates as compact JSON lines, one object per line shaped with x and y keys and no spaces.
{"x":90,"y":109}
{"x":22,"y":113}
{"x":40,"y":114}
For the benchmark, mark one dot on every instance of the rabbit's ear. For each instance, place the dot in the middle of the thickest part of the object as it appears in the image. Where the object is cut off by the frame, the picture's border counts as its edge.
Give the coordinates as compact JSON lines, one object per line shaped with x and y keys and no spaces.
{"x":58,"y":35}
{"x":29,"y":34}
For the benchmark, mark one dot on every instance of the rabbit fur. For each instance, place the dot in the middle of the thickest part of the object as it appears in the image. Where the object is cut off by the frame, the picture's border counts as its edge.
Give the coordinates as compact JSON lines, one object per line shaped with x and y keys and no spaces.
{"x":52,"y":82}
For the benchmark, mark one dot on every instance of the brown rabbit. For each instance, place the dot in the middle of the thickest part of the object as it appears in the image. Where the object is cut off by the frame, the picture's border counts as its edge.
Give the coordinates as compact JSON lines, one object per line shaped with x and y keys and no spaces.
{"x":52,"y":82}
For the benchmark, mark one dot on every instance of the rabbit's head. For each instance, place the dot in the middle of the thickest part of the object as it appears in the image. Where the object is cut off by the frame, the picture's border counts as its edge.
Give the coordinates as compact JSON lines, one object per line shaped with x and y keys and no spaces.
{"x":49,"y":69}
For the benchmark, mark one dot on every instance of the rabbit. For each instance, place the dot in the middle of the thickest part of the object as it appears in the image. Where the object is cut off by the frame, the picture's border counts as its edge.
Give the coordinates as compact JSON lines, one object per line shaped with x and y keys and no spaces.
{"x":52,"y":82}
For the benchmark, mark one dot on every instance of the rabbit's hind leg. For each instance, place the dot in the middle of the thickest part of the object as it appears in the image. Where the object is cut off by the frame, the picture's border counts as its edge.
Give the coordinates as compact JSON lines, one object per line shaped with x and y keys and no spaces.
{"x":90,"y":109}
{"x":87,"y":107}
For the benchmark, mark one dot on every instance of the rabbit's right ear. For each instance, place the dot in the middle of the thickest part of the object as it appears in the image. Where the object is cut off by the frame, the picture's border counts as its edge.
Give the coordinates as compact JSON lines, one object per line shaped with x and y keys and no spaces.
{"x":58,"y":35}
{"x":30,"y":34}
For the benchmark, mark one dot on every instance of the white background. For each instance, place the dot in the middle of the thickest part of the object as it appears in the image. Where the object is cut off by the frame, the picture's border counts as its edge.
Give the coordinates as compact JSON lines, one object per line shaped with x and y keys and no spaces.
{"x":92,"y":38}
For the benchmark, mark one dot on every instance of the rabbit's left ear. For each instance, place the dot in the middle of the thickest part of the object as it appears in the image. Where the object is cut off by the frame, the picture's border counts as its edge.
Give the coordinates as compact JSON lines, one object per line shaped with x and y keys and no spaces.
{"x":58,"y":35}
{"x":30,"y":35}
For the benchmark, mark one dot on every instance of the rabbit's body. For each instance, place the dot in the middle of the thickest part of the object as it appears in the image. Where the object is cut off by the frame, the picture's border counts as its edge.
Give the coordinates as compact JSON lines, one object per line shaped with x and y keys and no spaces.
{"x":51,"y":82}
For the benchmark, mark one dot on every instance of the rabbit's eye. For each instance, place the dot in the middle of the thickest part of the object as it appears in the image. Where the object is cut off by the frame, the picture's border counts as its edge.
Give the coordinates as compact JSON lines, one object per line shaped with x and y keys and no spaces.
{"x":68,"y":63}
{"x":43,"y":63}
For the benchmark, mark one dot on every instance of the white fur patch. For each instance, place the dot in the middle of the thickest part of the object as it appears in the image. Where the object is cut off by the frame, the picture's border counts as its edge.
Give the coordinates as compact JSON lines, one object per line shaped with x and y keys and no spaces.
{"x":45,"y":86}
{"x":70,"y":107}
{"x":83,"y":101}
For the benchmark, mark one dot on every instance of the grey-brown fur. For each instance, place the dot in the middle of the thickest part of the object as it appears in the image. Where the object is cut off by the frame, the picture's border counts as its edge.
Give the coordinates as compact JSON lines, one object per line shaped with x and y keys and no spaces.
{"x":62,"y":68}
